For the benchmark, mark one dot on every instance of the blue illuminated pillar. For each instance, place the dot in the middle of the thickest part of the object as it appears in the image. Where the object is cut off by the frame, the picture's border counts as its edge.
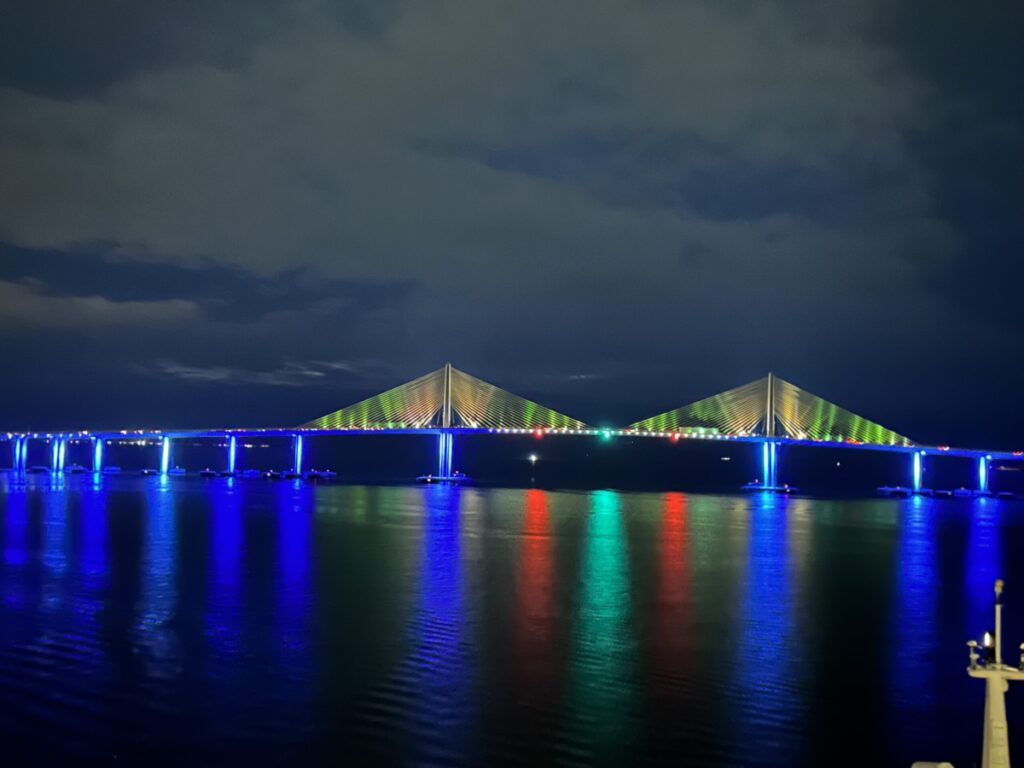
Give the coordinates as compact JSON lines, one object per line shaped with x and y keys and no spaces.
{"x":983,"y":474}
{"x":232,"y":450}
{"x":23,"y":454}
{"x":445,"y":445}
{"x":918,"y":459}
{"x":97,"y":455}
{"x":16,"y":452}
{"x":62,"y":446}
{"x":165,"y":455}
{"x":55,"y":455}
{"x":769,"y":463}
{"x":298,"y":454}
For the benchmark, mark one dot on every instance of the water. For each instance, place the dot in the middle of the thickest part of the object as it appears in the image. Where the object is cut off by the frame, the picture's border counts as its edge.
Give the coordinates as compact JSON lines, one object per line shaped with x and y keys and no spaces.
{"x":215,"y":622}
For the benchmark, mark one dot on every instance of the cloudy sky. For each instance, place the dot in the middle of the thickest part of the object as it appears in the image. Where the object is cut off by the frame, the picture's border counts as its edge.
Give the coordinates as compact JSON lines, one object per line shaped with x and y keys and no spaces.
{"x":240,"y":212}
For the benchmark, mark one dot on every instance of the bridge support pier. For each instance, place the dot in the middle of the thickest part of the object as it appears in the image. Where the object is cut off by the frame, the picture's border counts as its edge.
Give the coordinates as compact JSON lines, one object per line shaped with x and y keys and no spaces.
{"x":16,"y":442}
{"x":445,"y":446}
{"x":232,"y":452}
{"x":97,"y":455}
{"x":769,"y":465}
{"x":916,"y":470}
{"x":983,"y":475}
{"x":57,"y":453}
{"x":23,"y":460}
{"x":297,"y":446}
{"x":165,"y":455}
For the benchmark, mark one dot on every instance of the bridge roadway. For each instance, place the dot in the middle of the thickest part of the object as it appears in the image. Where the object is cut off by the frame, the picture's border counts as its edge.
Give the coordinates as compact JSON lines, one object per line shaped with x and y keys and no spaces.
{"x":59,"y":441}
{"x":447,"y":403}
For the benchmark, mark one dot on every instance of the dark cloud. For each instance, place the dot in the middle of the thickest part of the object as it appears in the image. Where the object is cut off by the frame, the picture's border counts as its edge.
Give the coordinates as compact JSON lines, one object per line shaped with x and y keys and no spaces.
{"x":65,"y":48}
{"x":223,"y":293}
{"x":630,"y":203}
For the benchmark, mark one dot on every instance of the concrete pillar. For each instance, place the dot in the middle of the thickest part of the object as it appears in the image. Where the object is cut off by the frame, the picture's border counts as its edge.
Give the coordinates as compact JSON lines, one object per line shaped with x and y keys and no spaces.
{"x":232,"y":451}
{"x":97,"y":454}
{"x":445,"y":445}
{"x":983,"y":472}
{"x":165,"y":455}
{"x":298,"y":454}
{"x":769,"y":464}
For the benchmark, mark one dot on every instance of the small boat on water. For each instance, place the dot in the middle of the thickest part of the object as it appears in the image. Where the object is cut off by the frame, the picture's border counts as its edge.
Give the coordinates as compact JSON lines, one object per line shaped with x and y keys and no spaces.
{"x":208,"y":472}
{"x":455,"y":478}
{"x":251,"y":473}
{"x":111,"y":470}
{"x":755,"y":486}
{"x":1006,"y":495}
{"x":292,"y":475}
{"x":149,"y":472}
{"x":176,"y":471}
{"x":895,"y":490}
{"x":321,"y":474}
{"x":944,"y":493}
{"x":964,"y":493}
{"x":75,"y":469}
{"x":37,"y":470}
{"x":272,"y":474}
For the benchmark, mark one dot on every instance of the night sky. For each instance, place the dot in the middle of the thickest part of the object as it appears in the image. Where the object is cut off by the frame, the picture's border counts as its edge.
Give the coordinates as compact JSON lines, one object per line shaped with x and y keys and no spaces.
{"x":245,"y":213}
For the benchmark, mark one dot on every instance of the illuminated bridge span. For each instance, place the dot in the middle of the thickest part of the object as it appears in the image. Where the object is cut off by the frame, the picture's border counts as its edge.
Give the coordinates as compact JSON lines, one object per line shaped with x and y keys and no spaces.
{"x":769,"y":412}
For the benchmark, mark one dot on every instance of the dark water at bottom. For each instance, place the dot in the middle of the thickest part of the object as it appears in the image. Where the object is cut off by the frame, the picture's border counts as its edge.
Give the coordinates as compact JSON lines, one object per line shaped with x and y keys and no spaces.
{"x":223,"y":622}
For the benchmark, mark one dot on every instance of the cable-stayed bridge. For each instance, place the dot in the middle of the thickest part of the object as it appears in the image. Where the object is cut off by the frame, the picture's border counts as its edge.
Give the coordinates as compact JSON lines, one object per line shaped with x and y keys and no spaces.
{"x":771,"y":413}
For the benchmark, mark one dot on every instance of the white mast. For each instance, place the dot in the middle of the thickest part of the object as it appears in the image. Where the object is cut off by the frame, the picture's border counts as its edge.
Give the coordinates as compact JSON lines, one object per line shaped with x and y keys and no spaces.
{"x":997,"y":676}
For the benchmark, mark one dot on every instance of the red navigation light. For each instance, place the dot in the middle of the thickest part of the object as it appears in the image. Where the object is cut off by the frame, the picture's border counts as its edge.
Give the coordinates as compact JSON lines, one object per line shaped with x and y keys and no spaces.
{"x":675,"y":435}
{"x":943,"y":447}
{"x":538,"y":433}
{"x":1018,"y":453}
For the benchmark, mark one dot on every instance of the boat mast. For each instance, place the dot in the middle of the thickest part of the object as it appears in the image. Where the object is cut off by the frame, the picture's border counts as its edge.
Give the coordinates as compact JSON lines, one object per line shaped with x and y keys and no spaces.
{"x":988,"y":665}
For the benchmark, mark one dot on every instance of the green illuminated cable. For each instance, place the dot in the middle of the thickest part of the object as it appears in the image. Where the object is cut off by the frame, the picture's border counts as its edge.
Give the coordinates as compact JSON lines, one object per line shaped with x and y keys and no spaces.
{"x":743,"y":411}
{"x":420,"y":403}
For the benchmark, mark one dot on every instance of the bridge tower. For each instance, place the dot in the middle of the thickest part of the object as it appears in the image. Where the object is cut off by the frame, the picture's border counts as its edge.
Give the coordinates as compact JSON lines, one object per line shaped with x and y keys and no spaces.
{"x":446,"y":438}
{"x":771,"y":446}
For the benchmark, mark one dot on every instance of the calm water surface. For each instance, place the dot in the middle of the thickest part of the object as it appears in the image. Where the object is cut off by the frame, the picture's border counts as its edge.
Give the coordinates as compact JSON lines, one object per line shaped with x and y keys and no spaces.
{"x":187,"y":622}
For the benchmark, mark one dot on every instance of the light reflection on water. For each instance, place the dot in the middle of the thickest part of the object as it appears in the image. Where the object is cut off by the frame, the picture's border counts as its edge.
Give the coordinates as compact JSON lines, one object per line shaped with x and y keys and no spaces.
{"x":183,"y":620}
{"x":603,"y":655}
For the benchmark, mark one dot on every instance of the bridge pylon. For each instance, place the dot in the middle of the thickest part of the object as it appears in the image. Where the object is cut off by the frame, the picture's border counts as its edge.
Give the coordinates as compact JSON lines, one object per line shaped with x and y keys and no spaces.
{"x":446,"y":402}
{"x":446,"y":438}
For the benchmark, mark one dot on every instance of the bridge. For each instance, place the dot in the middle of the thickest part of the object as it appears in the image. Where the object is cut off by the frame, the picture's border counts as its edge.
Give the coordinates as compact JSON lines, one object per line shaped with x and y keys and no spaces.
{"x":770,"y":413}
